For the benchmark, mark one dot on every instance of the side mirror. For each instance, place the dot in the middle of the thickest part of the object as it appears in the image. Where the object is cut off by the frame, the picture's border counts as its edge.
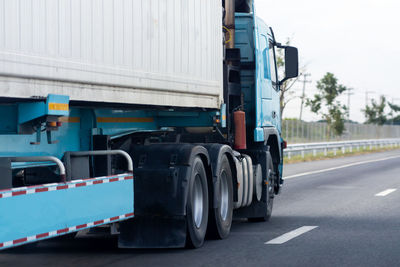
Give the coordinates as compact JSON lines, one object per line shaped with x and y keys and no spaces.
{"x":291,"y":63}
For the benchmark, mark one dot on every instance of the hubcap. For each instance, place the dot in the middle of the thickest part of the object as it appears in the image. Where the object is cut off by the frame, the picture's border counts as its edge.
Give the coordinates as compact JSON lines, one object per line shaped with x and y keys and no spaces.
{"x":224,"y":196}
{"x":270,"y":183}
{"x":197,"y":201}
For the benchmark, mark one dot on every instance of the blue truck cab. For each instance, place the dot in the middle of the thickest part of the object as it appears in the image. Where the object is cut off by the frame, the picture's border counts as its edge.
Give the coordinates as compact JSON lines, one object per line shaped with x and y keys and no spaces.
{"x":260,"y":82}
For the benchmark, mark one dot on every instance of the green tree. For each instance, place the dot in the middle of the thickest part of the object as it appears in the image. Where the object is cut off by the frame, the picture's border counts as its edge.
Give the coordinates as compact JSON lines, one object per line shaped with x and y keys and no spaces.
{"x":325,"y":103}
{"x":375,"y":114}
{"x":395,"y":117}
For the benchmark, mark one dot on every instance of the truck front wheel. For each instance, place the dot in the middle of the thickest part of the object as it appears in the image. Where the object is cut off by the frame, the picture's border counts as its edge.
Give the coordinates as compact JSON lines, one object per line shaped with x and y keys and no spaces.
{"x":197,"y":205}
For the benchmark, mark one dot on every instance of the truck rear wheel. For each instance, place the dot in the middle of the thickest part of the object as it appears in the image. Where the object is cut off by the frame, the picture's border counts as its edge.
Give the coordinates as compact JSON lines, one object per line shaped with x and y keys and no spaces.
{"x":221,"y":215}
{"x":197,"y":205}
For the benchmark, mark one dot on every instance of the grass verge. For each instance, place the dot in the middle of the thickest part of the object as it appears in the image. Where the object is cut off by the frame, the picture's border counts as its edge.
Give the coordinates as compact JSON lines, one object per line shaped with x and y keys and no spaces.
{"x":339,"y":154}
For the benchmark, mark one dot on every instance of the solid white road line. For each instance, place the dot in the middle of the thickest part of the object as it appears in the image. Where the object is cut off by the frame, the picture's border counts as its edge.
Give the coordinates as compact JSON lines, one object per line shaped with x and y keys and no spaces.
{"x":288,"y":236}
{"x":386,"y":192}
{"x":339,"y":167}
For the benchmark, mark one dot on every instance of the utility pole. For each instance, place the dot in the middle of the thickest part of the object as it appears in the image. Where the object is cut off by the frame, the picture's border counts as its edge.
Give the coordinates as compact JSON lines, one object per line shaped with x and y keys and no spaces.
{"x":305,"y":81}
{"x":349,"y":93}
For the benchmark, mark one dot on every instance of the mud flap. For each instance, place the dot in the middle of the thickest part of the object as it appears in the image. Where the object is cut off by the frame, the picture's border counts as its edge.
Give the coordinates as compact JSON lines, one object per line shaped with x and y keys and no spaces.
{"x":161,"y":188}
{"x":153,"y":232}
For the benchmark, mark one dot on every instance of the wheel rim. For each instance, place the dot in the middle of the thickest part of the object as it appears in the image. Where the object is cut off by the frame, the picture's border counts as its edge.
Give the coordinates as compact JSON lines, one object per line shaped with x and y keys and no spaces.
{"x":197,"y":201}
{"x":270,"y":184}
{"x":224,"y":196}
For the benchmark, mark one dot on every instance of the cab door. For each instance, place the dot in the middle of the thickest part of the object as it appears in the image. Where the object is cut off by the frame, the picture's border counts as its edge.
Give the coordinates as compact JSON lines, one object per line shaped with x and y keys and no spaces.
{"x":275,"y":107}
{"x":266,"y":84}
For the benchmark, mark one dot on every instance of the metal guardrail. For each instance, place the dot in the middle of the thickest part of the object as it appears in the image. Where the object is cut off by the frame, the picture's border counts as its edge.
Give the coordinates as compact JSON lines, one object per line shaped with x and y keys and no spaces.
{"x":343,"y":146}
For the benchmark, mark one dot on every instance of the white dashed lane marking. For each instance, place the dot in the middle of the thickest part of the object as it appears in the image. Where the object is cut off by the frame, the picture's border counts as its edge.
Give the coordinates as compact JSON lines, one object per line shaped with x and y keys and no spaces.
{"x":290,"y":235}
{"x":386,"y":192}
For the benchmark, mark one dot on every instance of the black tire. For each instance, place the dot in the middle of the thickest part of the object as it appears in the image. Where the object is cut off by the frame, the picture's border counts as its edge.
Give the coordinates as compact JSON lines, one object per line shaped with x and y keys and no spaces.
{"x":197,"y":209}
{"x":269,"y":191}
{"x":220,"y":218}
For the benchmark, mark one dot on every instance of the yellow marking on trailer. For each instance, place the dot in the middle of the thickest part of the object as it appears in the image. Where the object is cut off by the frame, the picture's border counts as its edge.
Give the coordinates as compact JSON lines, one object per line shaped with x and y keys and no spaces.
{"x":58,"y":106}
{"x":224,"y":117}
{"x":69,"y":119}
{"x":123,"y":119}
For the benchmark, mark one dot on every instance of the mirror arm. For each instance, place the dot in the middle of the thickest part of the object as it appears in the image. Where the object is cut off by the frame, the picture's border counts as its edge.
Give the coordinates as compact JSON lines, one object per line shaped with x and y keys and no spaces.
{"x":283,"y":80}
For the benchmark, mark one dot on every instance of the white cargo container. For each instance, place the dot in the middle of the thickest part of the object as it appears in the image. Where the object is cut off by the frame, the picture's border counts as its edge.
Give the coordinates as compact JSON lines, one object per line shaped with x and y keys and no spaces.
{"x":151,"y":52}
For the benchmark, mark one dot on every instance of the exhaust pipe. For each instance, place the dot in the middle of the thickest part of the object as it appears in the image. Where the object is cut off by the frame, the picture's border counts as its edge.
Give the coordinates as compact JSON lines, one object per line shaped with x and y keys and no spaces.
{"x":230,"y":23}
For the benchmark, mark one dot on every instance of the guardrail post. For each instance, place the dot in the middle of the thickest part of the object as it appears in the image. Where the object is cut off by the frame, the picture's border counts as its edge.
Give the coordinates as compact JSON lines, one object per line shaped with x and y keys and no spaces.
{"x":289,"y":155}
{"x":302,"y":153}
{"x":343,"y":149}
{"x":314,"y":152}
{"x":334,"y":151}
{"x":325,"y":151}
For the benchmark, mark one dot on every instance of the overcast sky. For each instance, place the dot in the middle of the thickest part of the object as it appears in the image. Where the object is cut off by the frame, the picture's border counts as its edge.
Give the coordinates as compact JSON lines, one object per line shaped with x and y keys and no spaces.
{"x":357,"y":40}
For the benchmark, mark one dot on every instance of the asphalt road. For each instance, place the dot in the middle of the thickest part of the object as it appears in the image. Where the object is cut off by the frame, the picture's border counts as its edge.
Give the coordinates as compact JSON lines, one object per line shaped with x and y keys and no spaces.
{"x":330,"y":209}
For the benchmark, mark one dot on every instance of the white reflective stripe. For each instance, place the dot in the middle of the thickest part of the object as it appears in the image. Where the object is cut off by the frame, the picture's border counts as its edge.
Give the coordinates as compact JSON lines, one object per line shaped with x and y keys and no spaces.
{"x":8,"y":243}
{"x":90,"y":224}
{"x":52,"y":233}
{"x":106,"y":220}
{"x":8,"y":194}
{"x":122,"y":216}
{"x":106,"y":181}
{"x":89,"y":183}
{"x":30,"y":191}
{"x":73,"y":228}
{"x":31,"y":238}
{"x":76,"y":181}
{"x":53,"y":188}
{"x":71,"y":186}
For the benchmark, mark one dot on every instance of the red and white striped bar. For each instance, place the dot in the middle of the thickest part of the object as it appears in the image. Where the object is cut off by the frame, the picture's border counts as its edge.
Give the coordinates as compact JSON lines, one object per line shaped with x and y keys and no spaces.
{"x":63,"y":186}
{"x":64,"y":231}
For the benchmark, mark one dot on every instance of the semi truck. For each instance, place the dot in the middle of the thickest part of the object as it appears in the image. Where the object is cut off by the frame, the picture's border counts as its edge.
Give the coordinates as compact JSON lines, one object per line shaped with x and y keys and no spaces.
{"x":158,"y":120}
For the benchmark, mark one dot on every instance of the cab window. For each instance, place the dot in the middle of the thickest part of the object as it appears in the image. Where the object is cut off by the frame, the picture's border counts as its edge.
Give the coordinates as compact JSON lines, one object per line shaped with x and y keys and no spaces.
{"x":272,"y":65}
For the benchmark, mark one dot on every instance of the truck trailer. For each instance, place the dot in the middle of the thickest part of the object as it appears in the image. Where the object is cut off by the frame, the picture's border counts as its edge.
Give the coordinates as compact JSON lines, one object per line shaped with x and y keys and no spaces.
{"x":159,"y":120}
